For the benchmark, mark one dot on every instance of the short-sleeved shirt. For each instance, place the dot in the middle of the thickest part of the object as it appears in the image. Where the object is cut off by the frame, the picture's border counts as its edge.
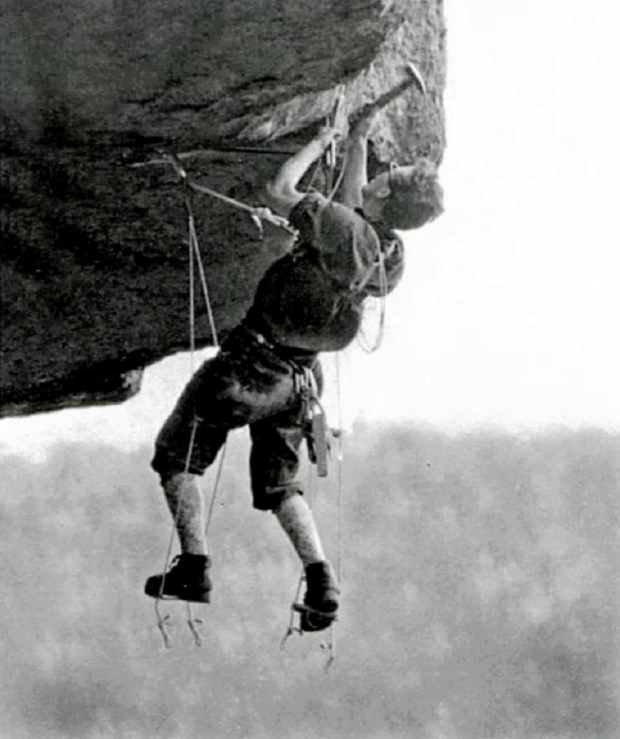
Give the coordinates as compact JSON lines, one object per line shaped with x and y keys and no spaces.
{"x":311,"y":299}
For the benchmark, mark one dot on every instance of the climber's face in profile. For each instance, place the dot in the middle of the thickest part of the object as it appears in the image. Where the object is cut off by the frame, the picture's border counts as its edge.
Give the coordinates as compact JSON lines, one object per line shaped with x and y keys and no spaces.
{"x":376,"y":192}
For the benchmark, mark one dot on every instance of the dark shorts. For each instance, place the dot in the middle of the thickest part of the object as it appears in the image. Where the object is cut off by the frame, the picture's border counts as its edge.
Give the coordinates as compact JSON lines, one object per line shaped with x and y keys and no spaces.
{"x":246,"y":383}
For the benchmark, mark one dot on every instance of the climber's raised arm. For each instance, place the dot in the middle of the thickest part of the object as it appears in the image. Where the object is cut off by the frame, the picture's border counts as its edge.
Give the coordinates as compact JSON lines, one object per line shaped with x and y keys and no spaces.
{"x":281,"y":193}
{"x":355,"y":174}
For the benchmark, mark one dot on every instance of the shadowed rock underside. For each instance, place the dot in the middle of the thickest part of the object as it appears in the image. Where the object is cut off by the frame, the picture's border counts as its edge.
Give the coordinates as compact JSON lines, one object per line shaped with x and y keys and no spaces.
{"x":94,"y":274}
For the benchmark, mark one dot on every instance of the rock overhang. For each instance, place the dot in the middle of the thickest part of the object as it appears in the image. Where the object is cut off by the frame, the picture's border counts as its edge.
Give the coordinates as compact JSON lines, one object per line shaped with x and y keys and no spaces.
{"x":95,"y":262}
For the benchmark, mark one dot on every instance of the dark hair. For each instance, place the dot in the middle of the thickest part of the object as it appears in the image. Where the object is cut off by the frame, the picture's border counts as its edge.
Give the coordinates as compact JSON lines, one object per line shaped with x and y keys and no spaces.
{"x":415,"y":198}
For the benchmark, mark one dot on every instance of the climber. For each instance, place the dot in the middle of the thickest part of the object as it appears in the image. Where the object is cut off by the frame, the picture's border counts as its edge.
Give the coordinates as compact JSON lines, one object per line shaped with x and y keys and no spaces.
{"x":309,"y":301}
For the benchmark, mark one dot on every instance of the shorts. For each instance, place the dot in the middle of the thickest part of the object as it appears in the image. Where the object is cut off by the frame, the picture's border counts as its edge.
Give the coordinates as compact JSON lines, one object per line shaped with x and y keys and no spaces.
{"x":246,"y":383}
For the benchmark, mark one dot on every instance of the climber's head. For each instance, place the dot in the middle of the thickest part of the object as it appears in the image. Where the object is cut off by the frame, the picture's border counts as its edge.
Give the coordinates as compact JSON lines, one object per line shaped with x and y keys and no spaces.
{"x":404,"y":198}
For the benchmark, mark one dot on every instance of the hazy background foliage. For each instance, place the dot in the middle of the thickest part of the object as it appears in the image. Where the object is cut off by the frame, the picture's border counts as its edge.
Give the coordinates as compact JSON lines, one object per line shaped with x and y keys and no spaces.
{"x":480,"y":596}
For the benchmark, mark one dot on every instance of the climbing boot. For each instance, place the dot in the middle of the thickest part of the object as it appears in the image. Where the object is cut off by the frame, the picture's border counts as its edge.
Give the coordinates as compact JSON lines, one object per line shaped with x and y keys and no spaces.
{"x":320,"y":605}
{"x":187,"y":579}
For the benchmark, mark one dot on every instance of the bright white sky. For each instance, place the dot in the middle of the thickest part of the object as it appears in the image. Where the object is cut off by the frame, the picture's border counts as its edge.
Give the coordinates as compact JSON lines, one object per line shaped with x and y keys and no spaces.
{"x":509,"y":311}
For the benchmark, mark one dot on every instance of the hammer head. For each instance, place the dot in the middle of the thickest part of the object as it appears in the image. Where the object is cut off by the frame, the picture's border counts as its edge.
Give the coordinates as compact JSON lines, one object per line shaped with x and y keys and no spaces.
{"x":416,"y":78}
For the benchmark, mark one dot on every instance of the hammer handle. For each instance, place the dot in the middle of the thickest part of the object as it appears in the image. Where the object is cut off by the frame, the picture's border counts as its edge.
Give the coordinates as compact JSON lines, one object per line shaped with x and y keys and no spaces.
{"x":413,"y":78}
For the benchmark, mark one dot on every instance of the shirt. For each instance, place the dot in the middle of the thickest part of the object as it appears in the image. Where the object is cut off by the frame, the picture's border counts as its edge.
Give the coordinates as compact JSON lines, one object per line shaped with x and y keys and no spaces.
{"x":311,"y":299}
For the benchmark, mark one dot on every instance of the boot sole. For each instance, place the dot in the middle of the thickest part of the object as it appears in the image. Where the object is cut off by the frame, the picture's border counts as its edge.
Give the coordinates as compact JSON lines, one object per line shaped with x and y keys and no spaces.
{"x":202,"y":596}
{"x":313,"y":620}
{"x":187,"y":599}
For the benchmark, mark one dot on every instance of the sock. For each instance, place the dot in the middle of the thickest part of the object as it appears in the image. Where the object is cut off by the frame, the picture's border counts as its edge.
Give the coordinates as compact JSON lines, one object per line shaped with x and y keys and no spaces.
{"x":187,"y":508}
{"x":297,"y":520}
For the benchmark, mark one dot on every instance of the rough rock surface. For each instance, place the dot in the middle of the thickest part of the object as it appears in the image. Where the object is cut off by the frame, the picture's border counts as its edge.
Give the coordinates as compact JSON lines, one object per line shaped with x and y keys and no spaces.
{"x":94,"y":279}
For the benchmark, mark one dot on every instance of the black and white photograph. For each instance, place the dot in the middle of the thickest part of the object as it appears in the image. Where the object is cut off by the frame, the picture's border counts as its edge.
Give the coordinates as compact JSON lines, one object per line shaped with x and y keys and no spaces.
{"x":309,"y":369}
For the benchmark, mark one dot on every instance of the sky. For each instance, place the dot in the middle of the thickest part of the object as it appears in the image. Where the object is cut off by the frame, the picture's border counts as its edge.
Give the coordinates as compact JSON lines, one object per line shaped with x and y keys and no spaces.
{"x":508,"y":312}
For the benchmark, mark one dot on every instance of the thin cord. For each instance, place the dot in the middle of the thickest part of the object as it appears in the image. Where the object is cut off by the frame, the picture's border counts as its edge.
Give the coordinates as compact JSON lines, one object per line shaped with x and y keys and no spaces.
{"x":370,"y":346}
{"x":161,"y":619}
{"x":192,"y":301}
{"x":194,"y":254}
{"x":330,"y":645}
{"x":334,"y":189}
{"x":339,"y":456}
{"x":205,"y":290}
{"x":216,"y":485}
{"x":195,"y":248}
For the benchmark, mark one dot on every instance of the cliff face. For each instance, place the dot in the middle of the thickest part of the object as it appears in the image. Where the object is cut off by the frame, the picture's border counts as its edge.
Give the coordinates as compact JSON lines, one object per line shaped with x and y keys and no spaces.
{"x":94,"y":253}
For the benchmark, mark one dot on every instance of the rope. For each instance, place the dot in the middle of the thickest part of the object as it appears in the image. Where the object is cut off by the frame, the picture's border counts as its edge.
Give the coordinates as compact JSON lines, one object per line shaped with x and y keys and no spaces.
{"x":194,"y":255}
{"x":216,"y":485}
{"x":162,"y":620}
{"x":332,"y":188}
{"x":195,"y":249}
{"x":258,"y":214}
{"x":338,"y":182}
{"x":192,"y":301}
{"x":339,"y":457}
{"x":371,"y":346}
{"x":330,"y":644}
{"x":209,"y":150}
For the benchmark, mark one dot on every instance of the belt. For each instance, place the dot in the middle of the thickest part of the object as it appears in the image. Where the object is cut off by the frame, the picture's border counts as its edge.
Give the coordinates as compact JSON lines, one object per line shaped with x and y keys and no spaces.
{"x":288,"y":353}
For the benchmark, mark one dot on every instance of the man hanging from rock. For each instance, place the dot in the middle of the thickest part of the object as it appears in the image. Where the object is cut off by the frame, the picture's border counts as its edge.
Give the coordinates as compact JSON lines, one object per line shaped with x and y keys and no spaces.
{"x":309,"y":301}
